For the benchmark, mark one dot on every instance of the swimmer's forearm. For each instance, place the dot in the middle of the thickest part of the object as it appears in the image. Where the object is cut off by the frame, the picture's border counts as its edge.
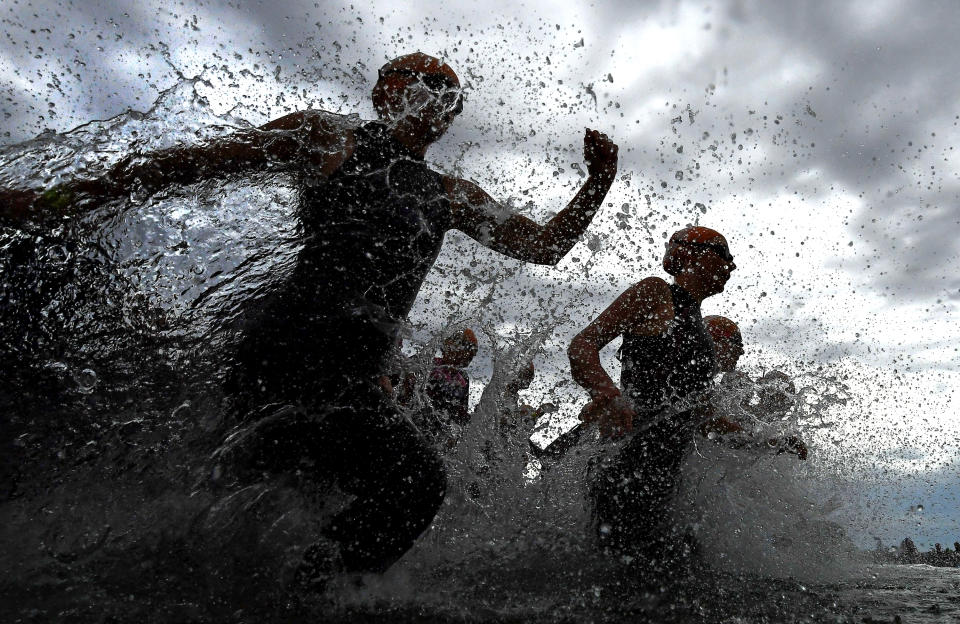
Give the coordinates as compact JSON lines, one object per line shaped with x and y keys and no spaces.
{"x":563,"y":231}
{"x":184,"y":165}
{"x":149,"y":173}
{"x":587,"y":371}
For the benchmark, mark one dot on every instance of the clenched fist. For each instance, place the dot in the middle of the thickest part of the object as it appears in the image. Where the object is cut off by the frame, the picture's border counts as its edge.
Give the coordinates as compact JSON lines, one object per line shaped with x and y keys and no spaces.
{"x":600,"y":154}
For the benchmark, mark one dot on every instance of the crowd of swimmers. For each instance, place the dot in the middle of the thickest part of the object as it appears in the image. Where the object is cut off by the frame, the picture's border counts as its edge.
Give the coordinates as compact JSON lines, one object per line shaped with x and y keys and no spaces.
{"x":309,"y":385}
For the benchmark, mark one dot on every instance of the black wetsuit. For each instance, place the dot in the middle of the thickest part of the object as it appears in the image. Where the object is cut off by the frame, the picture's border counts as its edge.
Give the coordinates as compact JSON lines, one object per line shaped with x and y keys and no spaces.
{"x":372,"y":231}
{"x":632,"y":492}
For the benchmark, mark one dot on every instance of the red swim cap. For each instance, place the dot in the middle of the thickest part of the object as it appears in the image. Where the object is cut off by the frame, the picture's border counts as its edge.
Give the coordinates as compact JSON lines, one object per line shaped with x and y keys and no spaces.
{"x":464,"y":337}
{"x":463,"y":342}
{"x":432,"y":72}
{"x":693,"y":236}
{"x":422,"y":64}
{"x":723,"y":329}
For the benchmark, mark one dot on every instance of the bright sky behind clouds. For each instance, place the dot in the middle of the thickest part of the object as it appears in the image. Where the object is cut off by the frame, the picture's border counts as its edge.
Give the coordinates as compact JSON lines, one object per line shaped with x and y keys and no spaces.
{"x":819,"y":137}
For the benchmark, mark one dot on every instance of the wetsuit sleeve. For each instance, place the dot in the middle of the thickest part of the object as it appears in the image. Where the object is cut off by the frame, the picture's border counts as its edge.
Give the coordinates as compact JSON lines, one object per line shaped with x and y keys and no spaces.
{"x":479,"y":216}
{"x":290,"y":142}
{"x":298,"y":140}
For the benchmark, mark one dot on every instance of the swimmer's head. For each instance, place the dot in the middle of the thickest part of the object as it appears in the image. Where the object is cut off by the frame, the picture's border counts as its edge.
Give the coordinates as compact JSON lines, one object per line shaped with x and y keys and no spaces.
{"x":459,"y":348}
{"x":419,"y":91}
{"x":727,"y":340}
{"x":701,"y":253}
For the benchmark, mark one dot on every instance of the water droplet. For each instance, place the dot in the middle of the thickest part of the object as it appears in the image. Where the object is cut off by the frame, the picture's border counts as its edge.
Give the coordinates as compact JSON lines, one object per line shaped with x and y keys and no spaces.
{"x":182,"y":411}
{"x":86,"y":380}
{"x":59,"y":368}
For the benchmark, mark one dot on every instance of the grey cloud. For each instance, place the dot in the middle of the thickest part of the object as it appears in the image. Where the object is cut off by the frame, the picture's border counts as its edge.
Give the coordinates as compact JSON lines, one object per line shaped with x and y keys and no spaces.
{"x":905,"y":65}
{"x":346,"y":51}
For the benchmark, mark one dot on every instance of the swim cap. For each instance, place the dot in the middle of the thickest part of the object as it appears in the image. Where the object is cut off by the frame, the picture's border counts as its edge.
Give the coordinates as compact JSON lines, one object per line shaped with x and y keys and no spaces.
{"x":422,"y":64}
{"x":464,"y":337}
{"x":723,"y":329}
{"x":433,"y":73}
{"x":779,"y":380}
{"x":694,"y":236}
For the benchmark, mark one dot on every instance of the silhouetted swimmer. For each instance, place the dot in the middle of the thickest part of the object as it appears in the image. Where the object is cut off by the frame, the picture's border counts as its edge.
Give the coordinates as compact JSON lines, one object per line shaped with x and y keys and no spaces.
{"x":774,"y":390}
{"x":373,"y":215}
{"x":515,"y":414}
{"x":728,"y":346}
{"x":668,"y":360}
{"x":448,"y":386}
{"x":727,"y":340}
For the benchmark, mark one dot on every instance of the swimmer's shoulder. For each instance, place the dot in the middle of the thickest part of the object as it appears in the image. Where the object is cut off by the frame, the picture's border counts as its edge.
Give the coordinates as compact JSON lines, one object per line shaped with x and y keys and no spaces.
{"x":652,"y":289}
{"x":327,"y":139}
{"x":651,"y":304}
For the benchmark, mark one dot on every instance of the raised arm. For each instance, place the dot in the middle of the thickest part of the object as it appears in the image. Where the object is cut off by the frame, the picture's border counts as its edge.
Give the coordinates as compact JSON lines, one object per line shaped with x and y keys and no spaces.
{"x":484,"y":219}
{"x":298,"y":139}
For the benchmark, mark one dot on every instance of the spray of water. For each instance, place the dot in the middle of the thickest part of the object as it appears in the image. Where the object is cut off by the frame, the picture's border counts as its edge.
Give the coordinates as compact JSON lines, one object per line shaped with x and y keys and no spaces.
{"x":123,"y":315}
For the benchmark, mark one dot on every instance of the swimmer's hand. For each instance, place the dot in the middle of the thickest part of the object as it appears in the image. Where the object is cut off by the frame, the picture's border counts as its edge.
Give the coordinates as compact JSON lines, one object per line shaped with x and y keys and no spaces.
{"x":612,"y":413}
{"x":789,"y":444}
{"x":600,"y":154}
{"x":545,"y":408}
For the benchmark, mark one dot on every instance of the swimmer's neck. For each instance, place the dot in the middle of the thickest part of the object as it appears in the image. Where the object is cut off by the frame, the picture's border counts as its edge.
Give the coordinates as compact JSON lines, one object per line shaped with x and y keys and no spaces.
{"x":696,"y":288}
{"x":412,"y":135}
{"x":412,"y":141}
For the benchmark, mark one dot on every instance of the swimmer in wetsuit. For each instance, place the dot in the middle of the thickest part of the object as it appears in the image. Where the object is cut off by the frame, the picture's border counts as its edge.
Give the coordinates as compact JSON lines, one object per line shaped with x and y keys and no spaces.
{"x":448,"y":386}
{"x":727,"y":341}
{"x":728,"y":346}
{"x":774,"y":389}
{"x":373,"y":215}
{"x":668,"y":360}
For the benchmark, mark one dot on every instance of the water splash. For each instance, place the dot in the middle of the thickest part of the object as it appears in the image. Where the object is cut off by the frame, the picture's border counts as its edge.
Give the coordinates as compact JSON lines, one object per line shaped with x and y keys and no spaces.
{"x":146,"y":294}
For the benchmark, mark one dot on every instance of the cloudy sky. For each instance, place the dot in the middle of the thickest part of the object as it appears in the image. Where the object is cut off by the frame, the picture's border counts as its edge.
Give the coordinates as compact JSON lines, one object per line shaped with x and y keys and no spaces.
{"x":819,"y":137}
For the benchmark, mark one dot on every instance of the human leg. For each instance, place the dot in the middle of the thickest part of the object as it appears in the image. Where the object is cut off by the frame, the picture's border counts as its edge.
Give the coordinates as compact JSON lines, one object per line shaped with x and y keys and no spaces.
{"x":337,"y":425}
{"x":633,"y":492}
{"x":397,"y":478}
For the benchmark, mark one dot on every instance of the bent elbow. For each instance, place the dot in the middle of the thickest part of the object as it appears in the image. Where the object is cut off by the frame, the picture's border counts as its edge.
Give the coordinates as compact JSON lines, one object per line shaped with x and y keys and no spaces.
{"x":548,"y":259}
{"x":547,"y":255}
{"x":575,"y":351}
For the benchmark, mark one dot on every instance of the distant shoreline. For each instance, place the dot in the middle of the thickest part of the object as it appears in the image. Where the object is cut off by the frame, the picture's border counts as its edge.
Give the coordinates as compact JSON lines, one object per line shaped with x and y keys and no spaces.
{"x":907,"y":554}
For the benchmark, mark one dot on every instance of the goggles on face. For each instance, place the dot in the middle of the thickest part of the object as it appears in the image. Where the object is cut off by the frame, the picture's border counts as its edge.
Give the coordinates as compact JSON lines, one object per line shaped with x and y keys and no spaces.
{"x":449,"y":94}
{"x":717,"y":248}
